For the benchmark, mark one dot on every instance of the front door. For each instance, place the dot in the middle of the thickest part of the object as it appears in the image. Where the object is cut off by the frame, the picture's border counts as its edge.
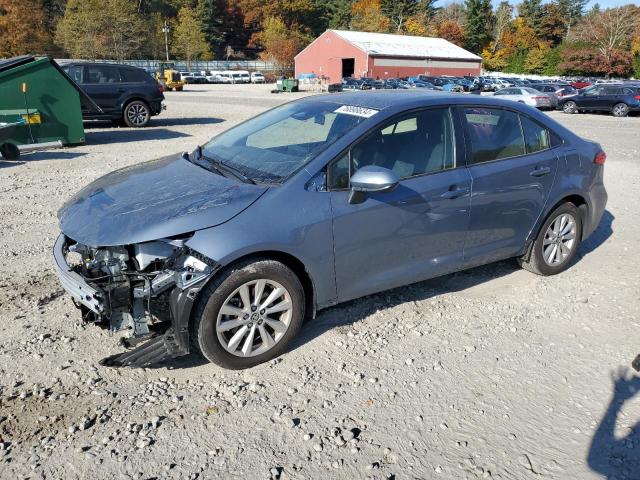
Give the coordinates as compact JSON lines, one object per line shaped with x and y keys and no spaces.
{"x":512,"y":168}
{"x":418,"y":230}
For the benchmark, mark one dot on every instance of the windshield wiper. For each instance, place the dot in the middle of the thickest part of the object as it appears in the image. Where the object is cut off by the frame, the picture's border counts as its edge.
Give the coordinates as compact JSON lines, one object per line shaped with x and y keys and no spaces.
{"x":221,"y":168}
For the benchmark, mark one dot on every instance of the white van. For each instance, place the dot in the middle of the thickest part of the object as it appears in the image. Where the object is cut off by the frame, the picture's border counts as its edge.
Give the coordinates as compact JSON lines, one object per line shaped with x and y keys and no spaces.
{"x":257,"y":77}
{"x":225,"y":77}
{"x":212,"y":76}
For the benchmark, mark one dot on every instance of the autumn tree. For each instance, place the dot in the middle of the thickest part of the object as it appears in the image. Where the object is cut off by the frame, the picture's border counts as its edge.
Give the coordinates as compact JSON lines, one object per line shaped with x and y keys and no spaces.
{"x":367,"y":16}
{"x":609,"y":32}
{"x":189,"y":43}
{"x":553,"y":25}
{"x":281,"y":43}
{"x":478,"y":24}
{"x":23,"y":28}
{"x":102,"y":29}
{"x":452,"y":31}
{"x":502,"y":21}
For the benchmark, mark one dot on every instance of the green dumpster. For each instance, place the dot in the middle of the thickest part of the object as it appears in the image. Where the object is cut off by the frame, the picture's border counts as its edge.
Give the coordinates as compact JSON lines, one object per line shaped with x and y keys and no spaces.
{"x":43,"y":104}
{"x":287,"y":85}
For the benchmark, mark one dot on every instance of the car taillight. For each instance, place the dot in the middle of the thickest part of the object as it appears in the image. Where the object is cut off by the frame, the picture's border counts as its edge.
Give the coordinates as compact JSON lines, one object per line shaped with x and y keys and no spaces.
{"x":160,"y":88}
{"x":540,"y":98}
{"x":637,"y":97}
{"x":600,"y":158}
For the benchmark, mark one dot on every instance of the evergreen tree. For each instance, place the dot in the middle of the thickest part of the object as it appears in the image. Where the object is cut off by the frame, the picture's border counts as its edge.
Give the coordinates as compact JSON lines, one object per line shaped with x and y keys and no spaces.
{"x":572,"y":11}
{"x":478,"y":24}
{"x":398,"y":11}
{"x":211,"y":14}
{"x":533,"y":12}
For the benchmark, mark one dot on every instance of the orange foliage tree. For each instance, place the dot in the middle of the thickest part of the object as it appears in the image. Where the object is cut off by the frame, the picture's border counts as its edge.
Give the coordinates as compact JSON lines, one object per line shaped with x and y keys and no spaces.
{"x":23,"y":29}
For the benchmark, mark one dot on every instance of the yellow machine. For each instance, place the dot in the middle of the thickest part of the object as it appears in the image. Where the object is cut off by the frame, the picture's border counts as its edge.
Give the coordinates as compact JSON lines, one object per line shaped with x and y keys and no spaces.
{"x":169,"y":77}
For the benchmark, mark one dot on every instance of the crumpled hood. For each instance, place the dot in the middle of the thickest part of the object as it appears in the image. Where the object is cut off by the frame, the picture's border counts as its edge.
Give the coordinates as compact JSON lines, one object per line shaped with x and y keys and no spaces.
{"x":153,"y":200}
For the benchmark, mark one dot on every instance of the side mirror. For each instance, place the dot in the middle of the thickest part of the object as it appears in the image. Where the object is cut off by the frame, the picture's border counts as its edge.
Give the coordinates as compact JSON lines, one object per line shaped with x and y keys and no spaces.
{"x":371,"y":179}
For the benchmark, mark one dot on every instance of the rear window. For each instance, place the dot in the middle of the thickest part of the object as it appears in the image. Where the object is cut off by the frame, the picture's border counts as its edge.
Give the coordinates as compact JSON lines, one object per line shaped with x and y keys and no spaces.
{"x":493,"y":134}
{"x":133,"y":75}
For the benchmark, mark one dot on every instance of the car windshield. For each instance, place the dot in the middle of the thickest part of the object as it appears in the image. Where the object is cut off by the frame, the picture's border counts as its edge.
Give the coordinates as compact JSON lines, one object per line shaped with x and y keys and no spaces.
{"x":271,"y":147}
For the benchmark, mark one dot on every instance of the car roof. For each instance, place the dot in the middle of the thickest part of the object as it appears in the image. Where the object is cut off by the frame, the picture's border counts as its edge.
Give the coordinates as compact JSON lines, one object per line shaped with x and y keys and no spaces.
{"x":405,"y":99}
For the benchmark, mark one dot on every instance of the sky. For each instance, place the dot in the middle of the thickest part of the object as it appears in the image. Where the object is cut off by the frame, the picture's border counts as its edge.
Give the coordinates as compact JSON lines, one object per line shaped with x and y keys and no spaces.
{"x":602,"y":3}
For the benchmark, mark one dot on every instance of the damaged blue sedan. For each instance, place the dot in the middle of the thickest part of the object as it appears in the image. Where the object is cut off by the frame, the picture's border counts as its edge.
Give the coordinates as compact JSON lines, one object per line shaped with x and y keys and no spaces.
{"x":225,"y":250}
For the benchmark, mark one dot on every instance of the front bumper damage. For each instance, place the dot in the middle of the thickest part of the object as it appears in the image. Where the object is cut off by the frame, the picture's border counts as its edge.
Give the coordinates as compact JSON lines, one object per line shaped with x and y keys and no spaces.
{"x":146,"y":288}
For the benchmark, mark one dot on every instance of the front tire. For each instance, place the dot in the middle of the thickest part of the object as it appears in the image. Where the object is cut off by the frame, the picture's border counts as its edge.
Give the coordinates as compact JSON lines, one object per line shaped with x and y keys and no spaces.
{"x":136,"y":114}
{"x":620,"y":110}
{"x":248,"y":314}
{"x":557,"y":242}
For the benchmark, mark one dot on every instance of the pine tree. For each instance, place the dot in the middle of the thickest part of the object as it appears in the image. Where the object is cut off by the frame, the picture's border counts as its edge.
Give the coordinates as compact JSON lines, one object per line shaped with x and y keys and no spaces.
{"x":398,"y":11}
{"x":572,"y":11}
{"x":478,"y":24}
{"x":533,"y":12}
{"x":211,"y":14}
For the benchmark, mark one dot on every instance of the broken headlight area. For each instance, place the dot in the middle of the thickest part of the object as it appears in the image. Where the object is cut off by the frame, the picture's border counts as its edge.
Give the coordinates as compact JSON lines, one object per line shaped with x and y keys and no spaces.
{"x":141,"y":286}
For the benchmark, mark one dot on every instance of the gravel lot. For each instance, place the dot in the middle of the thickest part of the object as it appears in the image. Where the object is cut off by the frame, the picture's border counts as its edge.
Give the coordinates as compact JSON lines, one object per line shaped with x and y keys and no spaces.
{"x":488,"y":373}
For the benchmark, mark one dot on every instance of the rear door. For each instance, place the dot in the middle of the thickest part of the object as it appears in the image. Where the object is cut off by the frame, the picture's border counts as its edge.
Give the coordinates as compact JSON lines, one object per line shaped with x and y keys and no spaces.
{"x":512,"y":168}
{"x":102,"y":84}
{"x":416,"y":231}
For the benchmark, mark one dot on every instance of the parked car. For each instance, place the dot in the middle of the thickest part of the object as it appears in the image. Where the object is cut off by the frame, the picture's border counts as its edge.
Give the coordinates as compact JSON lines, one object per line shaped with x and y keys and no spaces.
{"x":555,"y":91}
{"x":579,"y":84}
{"x":527,"y":95}
{"x":124,"y":93}
{"x":257,"y":77}
{"x":225,"y":77}
{"x":198,"y":78}
{"x":212,"y":76}
{"x":186,"y":77}
{"x":390,"y":193}
{"x":620,"y":100}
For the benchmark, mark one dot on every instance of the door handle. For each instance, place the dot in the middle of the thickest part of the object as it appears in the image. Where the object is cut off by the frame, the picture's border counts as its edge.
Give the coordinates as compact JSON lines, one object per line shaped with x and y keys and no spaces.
{"x":540,"y":171}
{"x":455,"y":192}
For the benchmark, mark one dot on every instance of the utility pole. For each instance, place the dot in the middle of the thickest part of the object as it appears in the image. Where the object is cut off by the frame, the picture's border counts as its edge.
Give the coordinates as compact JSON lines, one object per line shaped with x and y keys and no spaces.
{"x":166,"y":31}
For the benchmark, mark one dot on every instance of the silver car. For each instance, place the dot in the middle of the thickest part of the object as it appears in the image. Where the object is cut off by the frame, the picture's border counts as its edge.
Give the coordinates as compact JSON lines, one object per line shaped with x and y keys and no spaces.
{"x":528,"y":96}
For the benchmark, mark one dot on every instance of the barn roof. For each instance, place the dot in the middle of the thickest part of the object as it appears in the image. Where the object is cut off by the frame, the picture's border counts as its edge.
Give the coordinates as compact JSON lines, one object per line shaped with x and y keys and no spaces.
{"x":388,"y":45}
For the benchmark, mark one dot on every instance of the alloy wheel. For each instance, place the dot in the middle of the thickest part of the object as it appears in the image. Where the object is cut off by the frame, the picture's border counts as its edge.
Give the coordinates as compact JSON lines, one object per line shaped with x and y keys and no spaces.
{"x":569,"y":107}
{"x":137,"y":114}
{"x":254,"y":318}
{"x":620,"y":110}
{"x":559,"y":240}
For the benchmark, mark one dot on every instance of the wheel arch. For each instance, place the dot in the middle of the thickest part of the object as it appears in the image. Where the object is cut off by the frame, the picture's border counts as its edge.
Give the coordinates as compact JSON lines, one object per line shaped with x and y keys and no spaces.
{"x":133,"y":98}
{"x":576,"y":199}
{"x":292,"y":262}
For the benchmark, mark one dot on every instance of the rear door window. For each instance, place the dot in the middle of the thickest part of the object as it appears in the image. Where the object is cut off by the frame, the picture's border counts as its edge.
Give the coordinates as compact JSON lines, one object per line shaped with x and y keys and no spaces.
{"x":75,"y":72}
{"x":494,"y":134}
{"x":102,"y":74}
{"x":536,"y":137}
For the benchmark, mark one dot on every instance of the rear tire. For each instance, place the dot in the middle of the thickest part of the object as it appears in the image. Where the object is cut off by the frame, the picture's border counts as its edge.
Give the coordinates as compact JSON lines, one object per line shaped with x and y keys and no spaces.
{"x":570,"y":107}
{"x":136,"y":114}
{"x":247,"y":335}
{"x":620,"y":110}
{"x":557,"y":242}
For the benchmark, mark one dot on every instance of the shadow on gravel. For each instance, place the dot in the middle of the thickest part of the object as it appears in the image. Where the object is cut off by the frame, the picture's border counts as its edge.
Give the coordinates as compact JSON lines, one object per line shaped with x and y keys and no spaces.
{"x":599,"y":236}
{"x":611,"y":456}
{"x":123,"y":135}
{"x":176,"y":122}
{"x":39,"y":156}
{"x":351,"y":312}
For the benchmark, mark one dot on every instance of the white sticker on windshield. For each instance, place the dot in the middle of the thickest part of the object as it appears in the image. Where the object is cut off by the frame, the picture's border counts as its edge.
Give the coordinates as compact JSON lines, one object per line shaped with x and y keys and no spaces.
{"x":356,"y":111}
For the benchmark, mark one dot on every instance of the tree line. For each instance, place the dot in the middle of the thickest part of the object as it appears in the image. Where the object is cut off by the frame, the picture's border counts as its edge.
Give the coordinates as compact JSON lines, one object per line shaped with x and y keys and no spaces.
{"x":558,"y":37}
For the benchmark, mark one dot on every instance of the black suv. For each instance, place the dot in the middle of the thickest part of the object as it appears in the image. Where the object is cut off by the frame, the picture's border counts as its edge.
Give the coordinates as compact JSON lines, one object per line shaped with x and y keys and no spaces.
{"x":618,"y":99}
{"x":124,"y":93}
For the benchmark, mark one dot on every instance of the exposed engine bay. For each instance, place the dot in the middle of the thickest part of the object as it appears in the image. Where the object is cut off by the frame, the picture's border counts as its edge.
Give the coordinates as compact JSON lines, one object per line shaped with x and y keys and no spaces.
{"x":136,"y":286}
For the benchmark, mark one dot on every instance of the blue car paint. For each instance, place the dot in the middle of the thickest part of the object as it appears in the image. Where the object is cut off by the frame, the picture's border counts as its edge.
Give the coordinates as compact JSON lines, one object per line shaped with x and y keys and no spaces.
{"x":348,"y":250}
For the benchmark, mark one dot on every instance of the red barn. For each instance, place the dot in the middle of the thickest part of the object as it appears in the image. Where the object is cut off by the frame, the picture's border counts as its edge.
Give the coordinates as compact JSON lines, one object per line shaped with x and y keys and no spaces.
{"x":338,"y":53}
